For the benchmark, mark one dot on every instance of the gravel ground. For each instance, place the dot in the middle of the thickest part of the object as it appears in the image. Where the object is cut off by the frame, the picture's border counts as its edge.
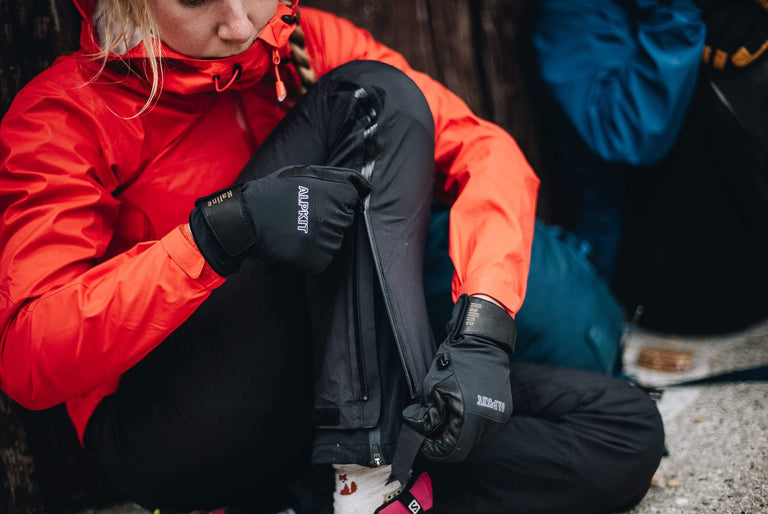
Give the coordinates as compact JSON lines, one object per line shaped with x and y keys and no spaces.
{"x":717,"y":434}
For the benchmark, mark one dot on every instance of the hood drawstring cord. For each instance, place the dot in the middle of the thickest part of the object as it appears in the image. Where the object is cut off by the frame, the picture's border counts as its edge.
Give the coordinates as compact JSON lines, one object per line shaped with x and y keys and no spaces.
{"x":280,"y":89}
{"x":236,"y":72}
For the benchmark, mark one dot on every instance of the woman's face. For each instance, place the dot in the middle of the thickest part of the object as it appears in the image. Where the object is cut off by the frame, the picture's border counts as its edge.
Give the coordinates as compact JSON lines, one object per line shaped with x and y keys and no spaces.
{"x":208,"y":29}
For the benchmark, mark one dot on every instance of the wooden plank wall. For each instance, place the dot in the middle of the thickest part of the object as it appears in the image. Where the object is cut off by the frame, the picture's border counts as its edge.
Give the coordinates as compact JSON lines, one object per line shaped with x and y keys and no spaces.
{"x":478,"y":48}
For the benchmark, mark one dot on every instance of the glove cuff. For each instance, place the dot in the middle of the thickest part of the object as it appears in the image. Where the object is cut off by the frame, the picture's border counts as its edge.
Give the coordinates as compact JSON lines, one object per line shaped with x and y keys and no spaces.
{"x":481,"y":318}
{"x":226,"y":217}
{"x":221,"y":229}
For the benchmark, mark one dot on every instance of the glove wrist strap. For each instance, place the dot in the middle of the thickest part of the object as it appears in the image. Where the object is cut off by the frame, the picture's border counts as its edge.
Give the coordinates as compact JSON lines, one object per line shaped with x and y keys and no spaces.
{"x":225,"y":215}
{"x":487,"y":320}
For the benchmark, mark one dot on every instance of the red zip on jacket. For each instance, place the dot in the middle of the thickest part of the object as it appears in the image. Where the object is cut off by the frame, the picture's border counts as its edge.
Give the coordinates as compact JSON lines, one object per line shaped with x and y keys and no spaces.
{"x":95,"y":268}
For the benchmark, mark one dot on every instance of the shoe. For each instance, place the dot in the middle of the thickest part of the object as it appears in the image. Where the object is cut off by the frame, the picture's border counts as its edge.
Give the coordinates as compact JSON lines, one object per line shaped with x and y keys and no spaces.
{"x":416,"y":498}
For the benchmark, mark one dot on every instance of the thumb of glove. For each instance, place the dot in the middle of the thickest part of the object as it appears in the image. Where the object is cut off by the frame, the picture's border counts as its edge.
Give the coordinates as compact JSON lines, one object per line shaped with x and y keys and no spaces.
{"x":361,"y":184}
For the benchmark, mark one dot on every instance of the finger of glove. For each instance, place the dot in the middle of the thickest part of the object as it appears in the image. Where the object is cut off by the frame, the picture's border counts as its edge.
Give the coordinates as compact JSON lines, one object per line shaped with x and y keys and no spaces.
{"x":330,"y":174}
{"x":426,"y":418}
{"x":453,"y":443}
{"x":301,"y":214}
{"x":362,"y":185}
{"x":328,"y":237}
{"x":442,"y":442}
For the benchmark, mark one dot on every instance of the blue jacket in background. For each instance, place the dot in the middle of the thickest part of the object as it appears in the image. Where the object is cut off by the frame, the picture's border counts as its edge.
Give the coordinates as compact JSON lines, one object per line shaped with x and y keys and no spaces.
{"x":623,"y":72}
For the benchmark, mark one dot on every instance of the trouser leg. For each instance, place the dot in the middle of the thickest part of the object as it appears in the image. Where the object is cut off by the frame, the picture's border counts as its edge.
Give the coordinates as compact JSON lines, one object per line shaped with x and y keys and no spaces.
{"x":221,"y":411}
{"x":367,"y":310}
{"x":576,"y":442}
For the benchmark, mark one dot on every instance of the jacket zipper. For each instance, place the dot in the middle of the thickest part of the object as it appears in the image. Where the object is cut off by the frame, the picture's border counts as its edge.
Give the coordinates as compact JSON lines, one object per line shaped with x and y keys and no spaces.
{"x":374,"y":443}
{"x":356,"y":294}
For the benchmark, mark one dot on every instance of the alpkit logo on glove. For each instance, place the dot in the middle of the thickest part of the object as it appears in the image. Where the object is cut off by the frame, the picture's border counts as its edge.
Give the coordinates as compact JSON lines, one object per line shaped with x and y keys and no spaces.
{"x":490,"y":403}
{"x":303,"y":221}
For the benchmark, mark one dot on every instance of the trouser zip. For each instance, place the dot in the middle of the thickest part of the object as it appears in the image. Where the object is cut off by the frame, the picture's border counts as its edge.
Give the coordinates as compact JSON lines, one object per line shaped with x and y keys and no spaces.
{"x":387,"y":296}
{"x":359,"y":346}
{"x":369,"y":161}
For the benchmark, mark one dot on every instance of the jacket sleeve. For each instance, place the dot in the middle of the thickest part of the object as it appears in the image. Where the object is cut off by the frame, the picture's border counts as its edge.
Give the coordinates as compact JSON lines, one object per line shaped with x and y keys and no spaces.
{"x":623,"y":72}
{"x":492,"y":218}
{"x":72,"y":319}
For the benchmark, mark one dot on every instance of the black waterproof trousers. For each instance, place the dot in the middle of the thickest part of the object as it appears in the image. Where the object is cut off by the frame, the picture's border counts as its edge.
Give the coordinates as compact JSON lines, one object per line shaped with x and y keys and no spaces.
{"x":279,"y":373}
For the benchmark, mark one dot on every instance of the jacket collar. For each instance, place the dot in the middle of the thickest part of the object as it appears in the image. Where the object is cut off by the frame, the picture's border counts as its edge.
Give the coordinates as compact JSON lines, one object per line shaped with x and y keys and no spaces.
{"x":186,"y":75}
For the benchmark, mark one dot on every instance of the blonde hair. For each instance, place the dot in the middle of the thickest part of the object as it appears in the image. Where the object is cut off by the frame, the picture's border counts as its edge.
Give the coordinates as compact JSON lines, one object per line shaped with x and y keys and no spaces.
{"x":123,"y":24}
{"x":120,"y":26}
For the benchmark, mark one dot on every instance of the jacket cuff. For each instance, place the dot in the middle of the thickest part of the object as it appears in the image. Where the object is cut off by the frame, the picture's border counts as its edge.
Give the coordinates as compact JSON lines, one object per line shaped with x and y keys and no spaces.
{"x":180,"y":246}
{"x":493,"y":287}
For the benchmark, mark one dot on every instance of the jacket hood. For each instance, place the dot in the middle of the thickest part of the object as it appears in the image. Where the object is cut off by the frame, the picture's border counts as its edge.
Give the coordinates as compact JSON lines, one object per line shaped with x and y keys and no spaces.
{"x":187,"y":75}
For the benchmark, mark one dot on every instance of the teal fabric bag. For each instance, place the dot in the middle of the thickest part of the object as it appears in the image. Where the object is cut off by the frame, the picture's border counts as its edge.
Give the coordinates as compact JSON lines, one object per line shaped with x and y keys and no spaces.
{"x":569,"y":316}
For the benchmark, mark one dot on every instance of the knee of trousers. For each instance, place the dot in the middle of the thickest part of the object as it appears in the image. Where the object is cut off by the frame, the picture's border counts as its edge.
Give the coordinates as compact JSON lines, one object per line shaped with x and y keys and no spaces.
{"x":379,"y":122}
{"x":406,"y":99}
{"x":634,"y":450}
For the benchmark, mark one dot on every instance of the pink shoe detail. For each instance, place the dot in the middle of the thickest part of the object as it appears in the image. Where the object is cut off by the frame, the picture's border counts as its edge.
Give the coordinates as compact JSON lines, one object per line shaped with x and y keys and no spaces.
{"x":415,"y":499}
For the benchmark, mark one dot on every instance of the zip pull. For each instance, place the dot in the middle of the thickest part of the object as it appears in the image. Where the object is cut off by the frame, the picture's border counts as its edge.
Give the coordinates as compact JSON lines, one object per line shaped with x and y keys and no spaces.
{"x":280,"y":89}
{"x":236,"y":71}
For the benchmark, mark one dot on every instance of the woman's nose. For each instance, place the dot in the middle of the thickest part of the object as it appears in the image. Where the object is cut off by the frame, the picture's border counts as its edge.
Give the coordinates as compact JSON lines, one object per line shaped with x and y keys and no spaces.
{"x":234,"y":25}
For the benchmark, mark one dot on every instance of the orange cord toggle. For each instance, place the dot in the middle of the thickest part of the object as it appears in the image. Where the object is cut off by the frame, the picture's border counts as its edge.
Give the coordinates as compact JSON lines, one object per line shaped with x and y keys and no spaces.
{"x":280,"y":88}
{"x":236,"y":72}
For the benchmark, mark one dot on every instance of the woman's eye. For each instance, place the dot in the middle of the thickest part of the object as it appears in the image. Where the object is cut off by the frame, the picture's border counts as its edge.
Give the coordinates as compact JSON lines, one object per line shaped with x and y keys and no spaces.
{"x":192,"y":3}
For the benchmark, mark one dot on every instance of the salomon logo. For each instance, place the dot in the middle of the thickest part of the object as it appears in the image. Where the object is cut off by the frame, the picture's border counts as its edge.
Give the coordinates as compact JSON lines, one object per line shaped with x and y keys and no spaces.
{"x":490,"y":403}
{"x":414,"y":507}
{"x":303,"y":224}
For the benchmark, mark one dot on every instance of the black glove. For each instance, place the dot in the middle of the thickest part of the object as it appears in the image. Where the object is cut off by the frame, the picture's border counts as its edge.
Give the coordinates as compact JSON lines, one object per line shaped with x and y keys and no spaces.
{"x":467,"y":396}
{"x":296,"y":216}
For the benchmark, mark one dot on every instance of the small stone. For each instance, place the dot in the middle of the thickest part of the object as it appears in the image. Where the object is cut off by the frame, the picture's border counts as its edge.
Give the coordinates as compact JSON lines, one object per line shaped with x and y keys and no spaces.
{"x":673,"y":483}
{"x":682,"y":501}
{"x":698,"y":419}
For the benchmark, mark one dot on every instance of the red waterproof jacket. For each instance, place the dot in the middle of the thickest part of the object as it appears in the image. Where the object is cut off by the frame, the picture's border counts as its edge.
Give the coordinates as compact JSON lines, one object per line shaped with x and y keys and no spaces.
{"x":95,"y":267}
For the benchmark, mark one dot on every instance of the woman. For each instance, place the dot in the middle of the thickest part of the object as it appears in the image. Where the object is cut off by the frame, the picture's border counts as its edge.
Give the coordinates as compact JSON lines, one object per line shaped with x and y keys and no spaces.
{"x":212,"y":341}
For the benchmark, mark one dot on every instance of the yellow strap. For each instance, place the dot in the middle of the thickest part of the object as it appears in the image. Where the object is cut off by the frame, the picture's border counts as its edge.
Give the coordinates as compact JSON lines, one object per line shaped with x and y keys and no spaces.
{"x":742,"y":57}
{"x":720,"y":59}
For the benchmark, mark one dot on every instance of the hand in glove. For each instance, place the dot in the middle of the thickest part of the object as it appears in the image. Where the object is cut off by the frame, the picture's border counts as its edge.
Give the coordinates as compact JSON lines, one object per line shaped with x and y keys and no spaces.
{"x":296,"y":216}
{"x":467,"y":395}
